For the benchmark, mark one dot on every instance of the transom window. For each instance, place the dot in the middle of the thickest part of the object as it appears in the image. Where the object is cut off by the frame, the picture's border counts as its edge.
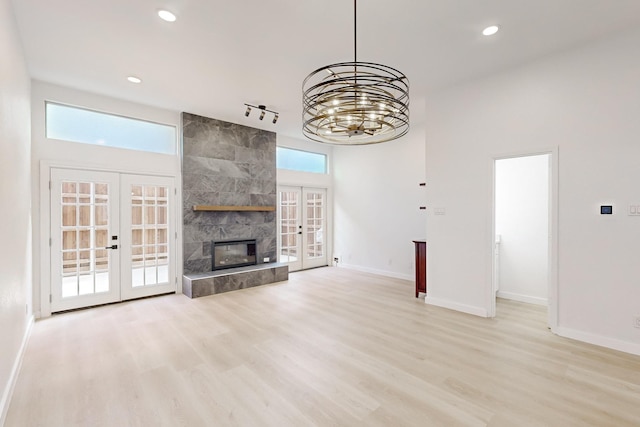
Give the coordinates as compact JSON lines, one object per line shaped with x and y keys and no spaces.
{"x":298,"y":160}
{"x":93,"y":127}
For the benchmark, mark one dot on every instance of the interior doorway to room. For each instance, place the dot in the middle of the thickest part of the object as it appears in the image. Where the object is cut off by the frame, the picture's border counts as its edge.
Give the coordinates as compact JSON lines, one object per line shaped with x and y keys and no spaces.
{"x":522,"y":225}
{"x":302,"y":225}
{"x":112,"y":237}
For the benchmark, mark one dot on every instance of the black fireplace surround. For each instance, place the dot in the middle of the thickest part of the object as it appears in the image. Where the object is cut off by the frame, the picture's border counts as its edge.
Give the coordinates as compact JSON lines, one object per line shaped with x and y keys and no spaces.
{"x":233,"y":253}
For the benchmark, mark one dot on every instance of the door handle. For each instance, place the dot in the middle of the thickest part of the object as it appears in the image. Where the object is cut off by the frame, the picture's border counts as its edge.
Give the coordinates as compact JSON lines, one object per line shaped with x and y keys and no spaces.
{"x":112,"y":247}
{"x":299,"y":232}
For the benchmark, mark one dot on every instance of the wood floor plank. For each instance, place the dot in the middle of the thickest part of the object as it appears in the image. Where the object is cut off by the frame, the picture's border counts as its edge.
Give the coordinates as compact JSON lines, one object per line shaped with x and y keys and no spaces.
{"x":329,"y":347}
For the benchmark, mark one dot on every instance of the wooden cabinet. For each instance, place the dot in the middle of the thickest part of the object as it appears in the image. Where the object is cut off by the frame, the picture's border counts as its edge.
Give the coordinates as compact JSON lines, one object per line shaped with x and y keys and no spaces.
{"x":421,"y":266}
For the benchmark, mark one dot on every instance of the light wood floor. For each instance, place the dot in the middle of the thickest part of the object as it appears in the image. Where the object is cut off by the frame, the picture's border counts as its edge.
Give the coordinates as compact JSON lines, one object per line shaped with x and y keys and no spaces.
{"x":330,"y":347}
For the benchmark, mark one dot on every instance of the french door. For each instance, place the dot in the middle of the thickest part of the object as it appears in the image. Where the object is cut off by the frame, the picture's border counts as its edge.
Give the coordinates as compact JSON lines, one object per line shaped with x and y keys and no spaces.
{"x":302,"y":225}
{"x":111,"y":237}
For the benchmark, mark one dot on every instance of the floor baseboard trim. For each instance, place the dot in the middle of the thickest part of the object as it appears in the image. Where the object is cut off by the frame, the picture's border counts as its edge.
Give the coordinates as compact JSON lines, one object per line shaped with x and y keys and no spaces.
{"x":378,"y":272}
{"x":522,"y":298}
{"x":599,"y":340}
{"x":452,"y":305}
{"x":13,"y":378}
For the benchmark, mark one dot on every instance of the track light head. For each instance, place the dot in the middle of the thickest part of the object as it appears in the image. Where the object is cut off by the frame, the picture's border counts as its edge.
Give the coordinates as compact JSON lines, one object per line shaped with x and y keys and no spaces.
{"x":263,"y":112}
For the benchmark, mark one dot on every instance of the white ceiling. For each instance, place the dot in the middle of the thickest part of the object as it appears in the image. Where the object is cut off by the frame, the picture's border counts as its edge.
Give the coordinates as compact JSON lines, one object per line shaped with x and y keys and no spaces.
{"x":220,"y":54}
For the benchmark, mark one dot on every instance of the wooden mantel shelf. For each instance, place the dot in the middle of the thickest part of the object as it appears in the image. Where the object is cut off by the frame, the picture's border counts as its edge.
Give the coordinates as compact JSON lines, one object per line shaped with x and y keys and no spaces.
{"x":206,"y":208}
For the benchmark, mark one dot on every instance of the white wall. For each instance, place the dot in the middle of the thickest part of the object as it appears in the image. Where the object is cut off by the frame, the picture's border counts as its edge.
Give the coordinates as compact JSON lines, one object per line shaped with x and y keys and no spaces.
{"x":15,"y":215}
{"x":586,"y":103}
{"x":377,"y":201}
{"x":522,"y":222}
{"x":53,"y":152}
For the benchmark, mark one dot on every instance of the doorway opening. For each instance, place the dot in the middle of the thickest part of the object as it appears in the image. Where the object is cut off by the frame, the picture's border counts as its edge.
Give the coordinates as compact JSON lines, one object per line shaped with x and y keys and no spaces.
{"x":524,"y":231}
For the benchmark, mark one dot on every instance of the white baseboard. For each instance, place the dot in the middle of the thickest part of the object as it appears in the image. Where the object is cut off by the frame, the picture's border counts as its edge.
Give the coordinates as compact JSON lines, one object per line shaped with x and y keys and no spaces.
{"x":13,"y":377}
{"x":522,"y":298}
{"x":599,"y":340}
{"x":452,"y":305}
{"x":378,"y":272}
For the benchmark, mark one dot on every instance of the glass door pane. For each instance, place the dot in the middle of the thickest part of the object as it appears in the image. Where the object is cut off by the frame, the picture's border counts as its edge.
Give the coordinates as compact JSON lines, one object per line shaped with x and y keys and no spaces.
{"x":147,"y":247}
{"x":315,"y":254}
{"x":83,"y":216}
{"x":289,"y":227}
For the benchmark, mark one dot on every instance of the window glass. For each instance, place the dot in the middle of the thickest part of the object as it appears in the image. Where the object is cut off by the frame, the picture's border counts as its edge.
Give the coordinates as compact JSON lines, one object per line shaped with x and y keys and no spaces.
{"x":297,"y":160}
{"x":93,"y":127}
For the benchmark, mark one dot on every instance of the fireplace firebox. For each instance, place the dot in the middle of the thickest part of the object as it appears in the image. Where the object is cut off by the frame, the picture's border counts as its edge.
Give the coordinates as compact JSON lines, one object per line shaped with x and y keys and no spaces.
{"x":232,"y":253}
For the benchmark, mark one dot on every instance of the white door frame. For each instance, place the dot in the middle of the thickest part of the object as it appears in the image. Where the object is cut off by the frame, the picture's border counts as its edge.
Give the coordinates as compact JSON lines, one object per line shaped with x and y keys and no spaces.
{"x":45,"y":224}
{"x":302,"y":190}
{"x":552,"y":280}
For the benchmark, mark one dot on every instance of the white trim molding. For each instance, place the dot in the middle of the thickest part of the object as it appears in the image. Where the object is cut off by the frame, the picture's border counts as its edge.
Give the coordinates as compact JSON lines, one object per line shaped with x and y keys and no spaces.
{"x":452,"y":305}
{"x":15,"y":370}
{"x":599,"y":340}
{"x":378,"y":272}
{"x":523,"y":298}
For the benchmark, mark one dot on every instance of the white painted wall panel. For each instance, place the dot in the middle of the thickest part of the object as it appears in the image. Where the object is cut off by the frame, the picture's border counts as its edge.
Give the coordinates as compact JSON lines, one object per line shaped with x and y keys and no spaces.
{"x":15,"y":214}
{"x":586,"y":103}
{"x":376,"y":202}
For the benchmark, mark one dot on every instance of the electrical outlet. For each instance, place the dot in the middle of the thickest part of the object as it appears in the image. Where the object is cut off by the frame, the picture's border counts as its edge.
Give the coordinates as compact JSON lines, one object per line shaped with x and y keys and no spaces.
{"x":265,"y":259}
{"x":636,"y":321}
{"x":336,"y":260}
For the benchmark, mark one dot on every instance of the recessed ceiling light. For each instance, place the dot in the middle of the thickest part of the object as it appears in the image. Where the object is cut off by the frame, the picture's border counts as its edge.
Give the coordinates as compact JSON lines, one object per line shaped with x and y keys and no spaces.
{"x":166,"y":15}
{"x":489,"y":31}
{"x":134,"y":79}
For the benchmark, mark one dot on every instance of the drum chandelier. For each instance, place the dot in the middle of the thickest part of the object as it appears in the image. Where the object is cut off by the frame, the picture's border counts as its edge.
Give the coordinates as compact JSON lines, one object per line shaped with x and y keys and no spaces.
{"x":355,"y":103}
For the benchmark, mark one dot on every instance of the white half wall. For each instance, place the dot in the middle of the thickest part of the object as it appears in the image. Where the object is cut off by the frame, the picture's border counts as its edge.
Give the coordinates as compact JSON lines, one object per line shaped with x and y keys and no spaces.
{"x":377,"y":201}
{"x":585,"y":103}
{"x":522,"y":222}
{"x":15,"y":215}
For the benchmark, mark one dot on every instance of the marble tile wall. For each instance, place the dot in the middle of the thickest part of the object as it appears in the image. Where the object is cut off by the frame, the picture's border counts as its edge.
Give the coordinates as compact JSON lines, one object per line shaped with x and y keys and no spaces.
{"x":226,"y":164}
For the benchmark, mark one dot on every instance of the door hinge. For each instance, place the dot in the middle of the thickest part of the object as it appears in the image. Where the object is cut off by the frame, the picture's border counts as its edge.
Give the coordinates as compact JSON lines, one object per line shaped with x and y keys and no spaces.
{"x":50,"y":241}
{"x":175,"y":191}
{"x":49,"y":185}
{"x":50,"y":298}
{"x":176,"y":235}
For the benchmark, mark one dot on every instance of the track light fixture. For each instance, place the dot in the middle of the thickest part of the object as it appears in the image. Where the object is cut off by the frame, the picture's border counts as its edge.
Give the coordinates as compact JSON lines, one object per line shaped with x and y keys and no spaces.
{"x":263,"y":112}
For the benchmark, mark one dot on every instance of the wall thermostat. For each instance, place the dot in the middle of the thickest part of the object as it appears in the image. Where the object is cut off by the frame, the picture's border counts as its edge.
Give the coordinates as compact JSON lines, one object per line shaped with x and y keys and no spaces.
{"x":606,"y":210}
